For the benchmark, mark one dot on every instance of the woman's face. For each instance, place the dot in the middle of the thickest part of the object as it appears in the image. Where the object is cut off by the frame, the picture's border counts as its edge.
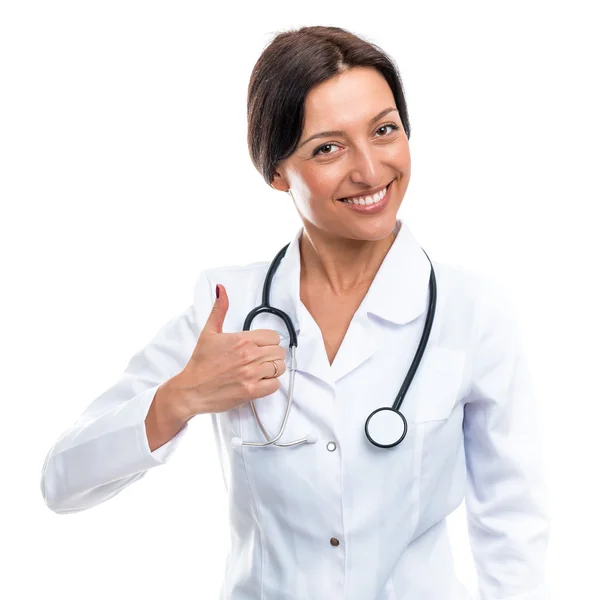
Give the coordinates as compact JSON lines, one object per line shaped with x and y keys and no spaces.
{"x":357,"y":156}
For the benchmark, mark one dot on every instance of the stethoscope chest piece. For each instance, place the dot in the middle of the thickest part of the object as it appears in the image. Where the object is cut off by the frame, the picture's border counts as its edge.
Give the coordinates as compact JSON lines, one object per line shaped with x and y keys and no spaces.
{"x":386,"y":427}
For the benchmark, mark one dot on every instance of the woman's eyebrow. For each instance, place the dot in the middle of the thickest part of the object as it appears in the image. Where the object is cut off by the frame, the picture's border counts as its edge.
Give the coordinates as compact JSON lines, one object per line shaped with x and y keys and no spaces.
{"x":378,"y":116}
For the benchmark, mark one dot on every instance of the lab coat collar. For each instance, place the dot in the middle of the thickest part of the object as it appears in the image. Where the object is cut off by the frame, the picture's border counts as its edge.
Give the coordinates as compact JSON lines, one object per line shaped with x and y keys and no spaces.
{"x":398,"y":294}
{"x":399,"y":291}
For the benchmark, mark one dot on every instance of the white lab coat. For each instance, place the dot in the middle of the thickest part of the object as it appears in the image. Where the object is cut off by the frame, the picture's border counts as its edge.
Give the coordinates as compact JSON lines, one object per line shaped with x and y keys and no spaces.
{"x":472,"y":433}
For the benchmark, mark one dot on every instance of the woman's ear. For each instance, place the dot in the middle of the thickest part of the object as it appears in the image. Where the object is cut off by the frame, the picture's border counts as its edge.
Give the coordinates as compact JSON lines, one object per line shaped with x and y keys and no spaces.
{"x":279,"y":183}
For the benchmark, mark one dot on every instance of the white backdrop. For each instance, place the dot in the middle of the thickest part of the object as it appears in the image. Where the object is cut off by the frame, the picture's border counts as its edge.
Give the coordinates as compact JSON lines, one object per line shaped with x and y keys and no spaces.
{"x":124,"y":172}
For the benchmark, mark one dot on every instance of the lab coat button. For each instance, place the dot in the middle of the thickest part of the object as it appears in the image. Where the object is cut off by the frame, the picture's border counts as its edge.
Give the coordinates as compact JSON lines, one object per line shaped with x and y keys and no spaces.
{"x":334,"y":542}
{"x":331,"y":446}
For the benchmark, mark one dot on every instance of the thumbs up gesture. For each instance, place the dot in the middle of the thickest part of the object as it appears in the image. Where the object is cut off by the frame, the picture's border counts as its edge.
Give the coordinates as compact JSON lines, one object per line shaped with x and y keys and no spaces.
{"x":228,"y":369}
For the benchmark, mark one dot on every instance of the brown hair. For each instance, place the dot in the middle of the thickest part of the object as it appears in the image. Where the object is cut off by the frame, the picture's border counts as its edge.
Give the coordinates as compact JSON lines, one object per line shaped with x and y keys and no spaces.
{"x":294,"y":62}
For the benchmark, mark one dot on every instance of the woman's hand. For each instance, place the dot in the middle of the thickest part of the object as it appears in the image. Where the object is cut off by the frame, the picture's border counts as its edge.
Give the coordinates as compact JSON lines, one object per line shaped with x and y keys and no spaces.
{"x":228,"y":369}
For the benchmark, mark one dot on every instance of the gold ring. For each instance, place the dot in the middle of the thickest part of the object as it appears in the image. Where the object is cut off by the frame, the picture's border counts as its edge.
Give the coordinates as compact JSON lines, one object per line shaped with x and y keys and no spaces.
{"x":276,"y":369}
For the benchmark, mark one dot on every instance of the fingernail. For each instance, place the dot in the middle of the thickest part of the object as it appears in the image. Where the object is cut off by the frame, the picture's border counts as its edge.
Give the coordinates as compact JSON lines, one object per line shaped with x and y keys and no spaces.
{"x":217,"y":290}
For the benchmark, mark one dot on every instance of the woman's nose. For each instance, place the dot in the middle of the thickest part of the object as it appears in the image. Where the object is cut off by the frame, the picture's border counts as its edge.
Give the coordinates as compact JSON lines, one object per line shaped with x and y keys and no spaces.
{"x":366,"y":168}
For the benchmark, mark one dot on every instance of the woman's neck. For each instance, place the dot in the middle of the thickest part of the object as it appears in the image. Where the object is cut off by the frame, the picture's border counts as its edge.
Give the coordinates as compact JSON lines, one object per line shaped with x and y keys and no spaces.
{"x":343,"y":267}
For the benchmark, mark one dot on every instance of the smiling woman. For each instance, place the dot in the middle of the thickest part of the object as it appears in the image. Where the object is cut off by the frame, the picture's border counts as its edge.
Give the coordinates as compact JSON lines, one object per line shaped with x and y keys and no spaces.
{"x":340,"y":508}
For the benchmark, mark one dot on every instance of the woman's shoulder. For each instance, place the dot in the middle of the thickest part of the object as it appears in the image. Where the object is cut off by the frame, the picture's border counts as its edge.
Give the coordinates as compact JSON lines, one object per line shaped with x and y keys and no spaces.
{"x":234,"y":275}
{"x":472,"y":290}
{"x":480,"y":299}
{"x":457,"y":278}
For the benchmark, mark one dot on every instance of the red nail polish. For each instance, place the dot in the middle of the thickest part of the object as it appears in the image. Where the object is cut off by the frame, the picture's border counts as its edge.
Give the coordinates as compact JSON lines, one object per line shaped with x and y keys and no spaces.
{"x":217,"y":290}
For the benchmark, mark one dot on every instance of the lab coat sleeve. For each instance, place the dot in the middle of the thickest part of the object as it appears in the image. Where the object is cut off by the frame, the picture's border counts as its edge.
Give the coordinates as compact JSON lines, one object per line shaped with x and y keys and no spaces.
{"x":505,"y":494}
{"x":107,"y":448}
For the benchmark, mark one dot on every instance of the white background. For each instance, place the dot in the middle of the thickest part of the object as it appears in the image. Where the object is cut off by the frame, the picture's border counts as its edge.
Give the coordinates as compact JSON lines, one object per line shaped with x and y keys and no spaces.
{"x":124,"y":172}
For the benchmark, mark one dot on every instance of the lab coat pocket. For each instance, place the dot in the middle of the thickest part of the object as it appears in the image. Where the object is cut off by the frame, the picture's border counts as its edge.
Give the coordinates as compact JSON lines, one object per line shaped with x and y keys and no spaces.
{"x":438,"y":383}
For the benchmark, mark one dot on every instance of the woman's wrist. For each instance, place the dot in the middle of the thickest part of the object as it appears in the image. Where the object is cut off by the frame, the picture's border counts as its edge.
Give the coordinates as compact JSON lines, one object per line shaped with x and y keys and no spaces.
{"x":166,"y":416}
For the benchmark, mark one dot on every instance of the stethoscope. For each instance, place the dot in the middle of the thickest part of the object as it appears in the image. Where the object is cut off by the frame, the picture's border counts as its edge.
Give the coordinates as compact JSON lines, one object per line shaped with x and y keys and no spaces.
{"x":386,"y":427}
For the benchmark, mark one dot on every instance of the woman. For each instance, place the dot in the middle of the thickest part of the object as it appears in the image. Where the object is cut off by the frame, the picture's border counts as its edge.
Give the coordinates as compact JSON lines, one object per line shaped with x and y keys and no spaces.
{"x":333,"y":514}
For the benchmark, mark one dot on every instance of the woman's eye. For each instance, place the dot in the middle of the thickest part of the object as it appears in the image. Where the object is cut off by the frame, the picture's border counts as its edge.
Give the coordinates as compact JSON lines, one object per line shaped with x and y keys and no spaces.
{"x":392,"y":125}
{"x":318,"y":151}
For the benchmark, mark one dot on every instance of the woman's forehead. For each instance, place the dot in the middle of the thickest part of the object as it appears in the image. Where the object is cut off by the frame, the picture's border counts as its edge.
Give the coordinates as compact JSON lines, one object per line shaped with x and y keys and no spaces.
{"x":355,"y":96}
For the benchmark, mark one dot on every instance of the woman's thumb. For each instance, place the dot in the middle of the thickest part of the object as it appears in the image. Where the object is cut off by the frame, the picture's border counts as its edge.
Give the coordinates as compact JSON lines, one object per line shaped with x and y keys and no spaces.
{"x":216,"y":317}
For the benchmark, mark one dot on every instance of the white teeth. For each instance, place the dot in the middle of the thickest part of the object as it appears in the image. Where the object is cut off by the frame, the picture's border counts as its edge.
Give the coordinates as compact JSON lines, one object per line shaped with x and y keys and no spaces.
{"x":367,"y":200}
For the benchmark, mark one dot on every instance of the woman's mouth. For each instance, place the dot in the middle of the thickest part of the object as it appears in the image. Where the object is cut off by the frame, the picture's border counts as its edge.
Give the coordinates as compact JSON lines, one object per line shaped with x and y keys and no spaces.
{"x":369,"y":204}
